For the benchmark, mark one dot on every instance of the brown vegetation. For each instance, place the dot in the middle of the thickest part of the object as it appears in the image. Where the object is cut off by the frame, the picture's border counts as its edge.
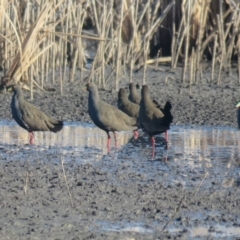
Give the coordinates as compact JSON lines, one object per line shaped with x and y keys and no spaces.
{"x":39,"y":38}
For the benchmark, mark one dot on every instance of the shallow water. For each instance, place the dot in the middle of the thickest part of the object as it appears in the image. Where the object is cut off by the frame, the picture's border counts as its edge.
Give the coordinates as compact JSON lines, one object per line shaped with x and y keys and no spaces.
{"x":196,"y":151}
{"x":213,"y":152}
{"x":218,"y":231}
{"x":204,"y":157}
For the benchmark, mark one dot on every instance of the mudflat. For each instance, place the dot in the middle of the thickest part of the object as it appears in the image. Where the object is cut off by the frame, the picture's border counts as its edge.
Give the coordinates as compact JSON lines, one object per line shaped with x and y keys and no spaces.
{"x":109,"y":200}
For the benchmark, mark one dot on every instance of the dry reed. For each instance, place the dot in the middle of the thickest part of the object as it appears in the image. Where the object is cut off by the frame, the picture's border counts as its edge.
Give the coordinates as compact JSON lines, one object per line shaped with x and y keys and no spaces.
{"x":65,"y":178}
{"x":52,"y":38}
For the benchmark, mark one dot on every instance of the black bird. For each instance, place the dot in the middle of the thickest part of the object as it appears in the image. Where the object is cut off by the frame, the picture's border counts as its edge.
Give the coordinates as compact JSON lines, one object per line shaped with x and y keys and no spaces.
{"x":128,"y":107}
{"x":107,"y":117}
{"x":238,"y":114}
{"x":31,"y":118}
{"x":133,"y":95}
{"x":153,"y":120}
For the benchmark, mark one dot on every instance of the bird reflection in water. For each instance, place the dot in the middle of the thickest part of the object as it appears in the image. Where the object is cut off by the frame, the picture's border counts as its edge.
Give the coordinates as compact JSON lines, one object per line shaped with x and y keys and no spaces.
{"x":161,"y":146}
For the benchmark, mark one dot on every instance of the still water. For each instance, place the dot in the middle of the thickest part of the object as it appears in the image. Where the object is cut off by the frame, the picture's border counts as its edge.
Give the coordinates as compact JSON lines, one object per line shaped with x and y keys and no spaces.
{"x":205,"y":142}
{"x":195,"y":150}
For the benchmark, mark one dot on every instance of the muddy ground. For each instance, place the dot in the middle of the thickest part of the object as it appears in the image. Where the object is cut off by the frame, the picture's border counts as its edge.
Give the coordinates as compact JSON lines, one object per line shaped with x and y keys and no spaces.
{"x":34,"y":198}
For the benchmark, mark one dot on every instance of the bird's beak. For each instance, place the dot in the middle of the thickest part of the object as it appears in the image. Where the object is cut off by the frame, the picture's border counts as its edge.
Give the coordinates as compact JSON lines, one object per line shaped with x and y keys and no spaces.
{"x":238,"y":105}
{"x":10,"y":89}
{"x":84,"y":88}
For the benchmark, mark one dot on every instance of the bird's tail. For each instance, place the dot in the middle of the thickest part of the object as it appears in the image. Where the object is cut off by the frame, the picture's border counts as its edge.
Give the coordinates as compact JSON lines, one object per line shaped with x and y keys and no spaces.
{"x":167,"y":107}
{"x":168,"y":117}
{"x":55,"y":125}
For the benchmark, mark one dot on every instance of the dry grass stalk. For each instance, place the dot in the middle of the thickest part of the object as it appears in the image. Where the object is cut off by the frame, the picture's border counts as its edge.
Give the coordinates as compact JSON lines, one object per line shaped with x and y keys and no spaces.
{"x":102,"y":44}
{"x":187,"y":26}
{"x":31,"y":81}
{"x":119,"y":52}
{"x":200,"y":184}
{"x":29,"y":50}
{"x":238,"y":50}
{"x":203,"y":15}
{"x":50,"y":37}
{"x":146,"y":45}
{"x":167,"y":77}
{"x":214,"y":56}
{"x":222,"y":43}
{"x":150,"y":30}
{"x":159,"y":60}
{"x":235,"y":25}
{"x":25,"y":188}
{"x":192,"y":61}
{"x":180,"y":38}
{"x":145,"y":53}
{"x":173,"y":45}
{"x":220,"y":69}
{"x":65,"y":178}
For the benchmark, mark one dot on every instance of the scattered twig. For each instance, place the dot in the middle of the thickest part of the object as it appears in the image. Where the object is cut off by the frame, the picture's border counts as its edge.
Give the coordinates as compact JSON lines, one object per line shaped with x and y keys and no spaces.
{"x":200,"y":184}
{"x":176,"y":211}
{"x":25,"y":188}
{"x":183,"y":199}
{"x":65,"y":178}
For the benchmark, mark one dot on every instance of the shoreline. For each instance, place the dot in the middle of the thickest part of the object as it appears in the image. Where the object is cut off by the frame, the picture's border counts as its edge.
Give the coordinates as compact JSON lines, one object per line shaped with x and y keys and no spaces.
{"x":207,"y":104}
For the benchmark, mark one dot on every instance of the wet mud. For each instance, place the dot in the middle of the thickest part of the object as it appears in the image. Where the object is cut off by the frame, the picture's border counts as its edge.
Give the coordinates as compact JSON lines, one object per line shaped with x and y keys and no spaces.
{"x":67,"y":186}
{"x":203,"y":103}
{"x":71,"y":188}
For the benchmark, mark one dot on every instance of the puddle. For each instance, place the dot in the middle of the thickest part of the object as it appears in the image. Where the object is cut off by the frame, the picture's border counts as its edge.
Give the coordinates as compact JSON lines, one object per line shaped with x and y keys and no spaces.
{"x":138,"y":227}
{"x":72,"y":135}
{"x":199,"y":150}
{"x":215,"y":231}
{"x":192,"y":153}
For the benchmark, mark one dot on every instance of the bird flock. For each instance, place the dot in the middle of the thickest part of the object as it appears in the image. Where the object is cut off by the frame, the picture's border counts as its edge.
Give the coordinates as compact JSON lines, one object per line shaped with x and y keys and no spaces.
{"x":134,"y":112}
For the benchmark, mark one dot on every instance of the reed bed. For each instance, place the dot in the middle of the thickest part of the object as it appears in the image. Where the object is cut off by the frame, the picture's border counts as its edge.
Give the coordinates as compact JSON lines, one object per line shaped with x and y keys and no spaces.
{"x":53,"y":41}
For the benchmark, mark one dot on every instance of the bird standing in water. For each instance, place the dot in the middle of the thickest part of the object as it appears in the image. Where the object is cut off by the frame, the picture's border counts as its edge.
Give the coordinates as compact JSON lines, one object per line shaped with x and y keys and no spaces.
{"x":133,"y":95}
{"x":30,"y":117}
{"x":107,"y":117}
{"x":238,"y":114}
{"x":153,"y":120}
{"x":128,"y":107}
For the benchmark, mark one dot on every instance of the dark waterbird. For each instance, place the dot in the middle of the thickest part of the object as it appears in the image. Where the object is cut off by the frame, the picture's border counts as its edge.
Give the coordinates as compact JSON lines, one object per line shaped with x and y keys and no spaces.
{"x":31,"y":118}
{"x":128,"y":107}
{"x":238,"y":114}
{"x":107,"y":117}
{"x":152,"y":119}
{"x":133,"y":94}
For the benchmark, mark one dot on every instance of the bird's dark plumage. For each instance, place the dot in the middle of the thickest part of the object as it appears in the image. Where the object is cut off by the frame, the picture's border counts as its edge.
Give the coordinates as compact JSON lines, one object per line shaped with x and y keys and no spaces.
{"x":125,"y":105}
{"x":153,"y":120}
{"x":133,"y":95}
{"x":238,"y":114}
{"x":29,"y":117}
{"x":106,"y":116}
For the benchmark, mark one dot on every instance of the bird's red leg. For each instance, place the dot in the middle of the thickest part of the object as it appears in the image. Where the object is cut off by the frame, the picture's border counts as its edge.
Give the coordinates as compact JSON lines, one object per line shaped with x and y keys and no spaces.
{"x":153,"y":147}
{"x":115,"y":137}
{"x":166,"y":136}
{"x":136,"y":134}
{"x":153,"y":142}
{"x":31,"y":135}
{"x":108,"y":142}
{"x":153,"y":153}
